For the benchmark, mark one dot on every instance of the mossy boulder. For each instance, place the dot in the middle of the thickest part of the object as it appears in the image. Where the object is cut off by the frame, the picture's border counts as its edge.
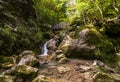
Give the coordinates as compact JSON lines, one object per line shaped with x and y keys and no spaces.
{"x":27,"y":57}
{"x":102,"y":77}
{"x":7,"y":78}
{"x":28,"y":60}
{"x":7,"y":62}
{"x":91,"y":44}
{"x":22,"y":71}
{"x":87,"y":43}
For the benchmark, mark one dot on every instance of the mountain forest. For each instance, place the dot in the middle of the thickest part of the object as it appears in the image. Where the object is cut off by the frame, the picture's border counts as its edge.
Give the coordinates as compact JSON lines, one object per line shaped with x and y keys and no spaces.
{"x":59,"y":40}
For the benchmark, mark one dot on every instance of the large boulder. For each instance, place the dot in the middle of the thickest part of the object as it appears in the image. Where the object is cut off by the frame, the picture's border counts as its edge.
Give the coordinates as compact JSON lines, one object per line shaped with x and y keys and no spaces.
{"x":29,"y":60}
{"x":65,"y":44}
{"x":7,"y":78}
{"x":27,"y":57}
{"x":87,"y":42}
{"x":22,"y":71}
{"x":52,"y":45}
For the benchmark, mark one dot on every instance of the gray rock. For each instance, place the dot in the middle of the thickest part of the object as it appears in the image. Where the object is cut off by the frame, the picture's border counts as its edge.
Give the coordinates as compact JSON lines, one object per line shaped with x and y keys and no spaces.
{"x":29,"y":60}
{"x":63,"y":69}
{"x":27,"y":52}
{"x":88,"y":43}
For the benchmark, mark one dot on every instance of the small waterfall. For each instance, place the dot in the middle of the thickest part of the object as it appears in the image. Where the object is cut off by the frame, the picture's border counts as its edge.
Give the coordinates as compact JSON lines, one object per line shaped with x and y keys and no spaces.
{"x":45,"y":50}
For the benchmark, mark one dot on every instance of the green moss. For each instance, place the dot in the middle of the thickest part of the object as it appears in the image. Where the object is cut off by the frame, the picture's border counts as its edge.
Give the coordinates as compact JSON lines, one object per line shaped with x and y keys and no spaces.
{"x":91,"y":27}
{"x":102,"y":76}
{"x":5,"y":59}
{"x":102,"y":47}
{"x":102,"y":69}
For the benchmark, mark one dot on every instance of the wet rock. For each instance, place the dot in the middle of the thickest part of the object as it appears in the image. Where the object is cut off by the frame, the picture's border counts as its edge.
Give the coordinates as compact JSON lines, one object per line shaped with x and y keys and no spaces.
{"x":29,"y":60}
{"x":42,"y":78}
{"x":7,"y":78}
{"x":63,"y":69}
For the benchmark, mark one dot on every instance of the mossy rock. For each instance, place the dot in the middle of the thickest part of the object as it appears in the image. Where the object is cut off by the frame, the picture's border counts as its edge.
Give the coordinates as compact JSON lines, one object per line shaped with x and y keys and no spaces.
{"x":7,"y":62}
{"x":102,"y":77}
{"x":42,"y":78}
{"x":7,"y":78}
{"x":23,"y":71}
{"x":65,"y":44}
{"x":89,"y":43}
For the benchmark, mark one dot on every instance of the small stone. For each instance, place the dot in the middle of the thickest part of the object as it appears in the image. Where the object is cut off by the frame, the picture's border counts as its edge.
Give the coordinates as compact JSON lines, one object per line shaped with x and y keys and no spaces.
{"x":84,"y":68}
{"x":45,"y":59}
{"x":59,"y":51}
{"x":63,"y":60}
{"x":94,"y":63}
{"x":63,"y":69}
{"x":60,"y":56}
{"x":99,"y":63}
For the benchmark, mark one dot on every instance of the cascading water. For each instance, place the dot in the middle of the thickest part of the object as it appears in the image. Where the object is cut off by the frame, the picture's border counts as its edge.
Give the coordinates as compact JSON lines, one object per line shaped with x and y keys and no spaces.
{"x":45,"y":50}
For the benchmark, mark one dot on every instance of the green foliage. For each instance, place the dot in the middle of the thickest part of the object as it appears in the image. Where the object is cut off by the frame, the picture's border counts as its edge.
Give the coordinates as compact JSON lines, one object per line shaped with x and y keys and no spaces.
{"x":14,"y":42}
{"x":86,"y":10}
{"x":46,"y":10}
